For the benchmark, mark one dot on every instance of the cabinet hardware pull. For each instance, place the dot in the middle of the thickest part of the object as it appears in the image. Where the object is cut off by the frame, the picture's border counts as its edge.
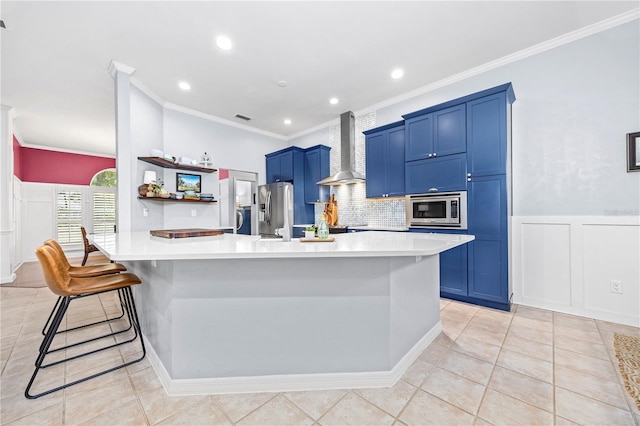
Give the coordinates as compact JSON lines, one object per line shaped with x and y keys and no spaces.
{"x":433,"y":189}
{"x":468,"y":179}
{"x":468,"y":174}
{"x":435,"y":154}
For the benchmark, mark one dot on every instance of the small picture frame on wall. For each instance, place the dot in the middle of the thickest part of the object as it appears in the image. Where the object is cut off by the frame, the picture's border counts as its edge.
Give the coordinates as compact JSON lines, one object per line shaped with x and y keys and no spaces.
{"x":633,"y":152}
{"x":186,"y":182}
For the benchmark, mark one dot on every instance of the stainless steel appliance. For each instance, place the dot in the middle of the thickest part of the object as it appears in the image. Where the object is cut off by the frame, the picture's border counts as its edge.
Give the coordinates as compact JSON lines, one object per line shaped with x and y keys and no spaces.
{"x":437,"y":210}
{"x":275,"y":210}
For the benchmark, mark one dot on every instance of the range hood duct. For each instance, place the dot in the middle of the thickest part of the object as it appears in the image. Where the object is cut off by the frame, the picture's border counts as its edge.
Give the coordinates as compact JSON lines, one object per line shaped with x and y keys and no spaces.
{"x":347,"y":173}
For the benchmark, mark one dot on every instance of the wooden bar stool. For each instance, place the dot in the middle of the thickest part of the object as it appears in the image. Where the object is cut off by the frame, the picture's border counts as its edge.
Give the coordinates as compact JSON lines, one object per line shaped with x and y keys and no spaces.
{"x":83,"y":272}
{"x":61,"y":283}
{"x":88,"y":247}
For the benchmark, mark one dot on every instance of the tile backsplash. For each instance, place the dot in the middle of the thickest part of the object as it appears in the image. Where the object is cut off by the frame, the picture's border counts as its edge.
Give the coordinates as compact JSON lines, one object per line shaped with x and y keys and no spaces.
{"x":353,"y":206}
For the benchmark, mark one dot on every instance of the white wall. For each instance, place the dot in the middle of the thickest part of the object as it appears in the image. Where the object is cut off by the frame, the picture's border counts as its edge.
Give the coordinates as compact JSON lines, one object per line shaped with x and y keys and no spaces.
{"x":229,"y":147}
{"x":574,"y":106}
{"x":146,"y":133}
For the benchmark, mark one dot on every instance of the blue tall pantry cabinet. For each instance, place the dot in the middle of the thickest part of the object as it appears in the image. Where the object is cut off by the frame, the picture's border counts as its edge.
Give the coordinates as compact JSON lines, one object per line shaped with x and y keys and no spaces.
{"x":488,"y":196}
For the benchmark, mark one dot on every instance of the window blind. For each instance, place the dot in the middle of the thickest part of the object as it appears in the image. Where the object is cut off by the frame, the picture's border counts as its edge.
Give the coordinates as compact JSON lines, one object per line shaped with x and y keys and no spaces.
{"x":104,"y":212}
{"x":68,"y":217}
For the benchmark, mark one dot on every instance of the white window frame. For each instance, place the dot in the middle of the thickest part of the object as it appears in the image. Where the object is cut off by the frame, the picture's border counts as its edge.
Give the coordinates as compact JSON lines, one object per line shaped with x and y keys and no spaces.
{"x":87,"y":203}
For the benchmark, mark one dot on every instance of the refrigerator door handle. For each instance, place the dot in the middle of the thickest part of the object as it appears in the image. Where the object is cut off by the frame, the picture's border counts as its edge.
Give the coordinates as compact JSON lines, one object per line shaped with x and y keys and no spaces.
{"x":268,"y":208}
{"x":239,"y":220}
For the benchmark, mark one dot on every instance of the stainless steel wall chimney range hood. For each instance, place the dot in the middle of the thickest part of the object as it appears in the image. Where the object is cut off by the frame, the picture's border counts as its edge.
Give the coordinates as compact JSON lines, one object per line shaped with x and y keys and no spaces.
{"x":347,"y":173}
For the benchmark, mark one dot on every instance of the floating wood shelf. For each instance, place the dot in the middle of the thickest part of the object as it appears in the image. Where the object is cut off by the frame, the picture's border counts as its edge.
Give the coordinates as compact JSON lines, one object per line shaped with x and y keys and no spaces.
{"x":175,"y":200}
{"x":157,"y":161}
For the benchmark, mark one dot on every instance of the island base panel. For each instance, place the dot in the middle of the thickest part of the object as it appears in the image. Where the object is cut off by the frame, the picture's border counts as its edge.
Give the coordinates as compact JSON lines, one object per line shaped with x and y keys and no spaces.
{"x":220,"y":319}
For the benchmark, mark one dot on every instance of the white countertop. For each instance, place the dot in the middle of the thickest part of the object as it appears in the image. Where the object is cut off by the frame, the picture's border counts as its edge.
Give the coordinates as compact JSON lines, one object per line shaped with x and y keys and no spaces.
{"x":379,"y":228}
{"x":142,"y":246}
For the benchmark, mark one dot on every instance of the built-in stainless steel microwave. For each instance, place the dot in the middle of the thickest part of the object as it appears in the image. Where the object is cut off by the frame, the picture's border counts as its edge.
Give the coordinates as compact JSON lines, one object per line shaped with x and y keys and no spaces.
{"x":437,"y":210}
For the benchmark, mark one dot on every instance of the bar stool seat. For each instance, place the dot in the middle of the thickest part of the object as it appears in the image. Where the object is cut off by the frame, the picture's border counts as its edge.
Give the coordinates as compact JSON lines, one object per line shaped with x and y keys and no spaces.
{"x":83,"y":272}
{"x":57,"y":278}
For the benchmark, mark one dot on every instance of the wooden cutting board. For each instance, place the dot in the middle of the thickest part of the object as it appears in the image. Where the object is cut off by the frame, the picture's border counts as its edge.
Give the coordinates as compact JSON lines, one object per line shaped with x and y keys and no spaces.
{"x":186,"y":233}
{"x":317,"y":240}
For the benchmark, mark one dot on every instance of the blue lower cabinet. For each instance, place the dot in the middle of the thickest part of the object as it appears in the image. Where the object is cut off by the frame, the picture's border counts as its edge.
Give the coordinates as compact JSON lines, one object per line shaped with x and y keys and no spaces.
{"x":488,"y":253}
{"x":453,"y":266}
{"x":298,"y":232}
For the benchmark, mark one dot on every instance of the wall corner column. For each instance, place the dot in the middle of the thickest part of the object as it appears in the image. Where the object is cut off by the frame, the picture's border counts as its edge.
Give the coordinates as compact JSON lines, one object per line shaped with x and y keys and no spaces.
{"x":7,"y":248}
{"x":121,"y":74}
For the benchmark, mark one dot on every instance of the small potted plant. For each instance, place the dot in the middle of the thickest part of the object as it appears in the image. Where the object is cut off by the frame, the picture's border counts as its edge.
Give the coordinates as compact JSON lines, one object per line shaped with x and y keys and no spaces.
{"x":309,"y":233}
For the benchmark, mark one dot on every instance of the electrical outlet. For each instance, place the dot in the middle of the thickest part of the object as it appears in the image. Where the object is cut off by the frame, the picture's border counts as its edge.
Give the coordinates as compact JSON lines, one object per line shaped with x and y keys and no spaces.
{"x":616,"y":286}
{"x":145,"y":212}
{"x":153,"y":263}
{"x":193,"y":213}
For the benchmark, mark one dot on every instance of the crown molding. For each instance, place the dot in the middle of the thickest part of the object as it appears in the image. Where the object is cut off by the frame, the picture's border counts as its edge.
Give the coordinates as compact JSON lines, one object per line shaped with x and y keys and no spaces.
{"x":224,"y":121}
{"x":115,"y":66}
{"x":68,"y":151}
{"x":517,"y":56}
{"x":144,"y":89}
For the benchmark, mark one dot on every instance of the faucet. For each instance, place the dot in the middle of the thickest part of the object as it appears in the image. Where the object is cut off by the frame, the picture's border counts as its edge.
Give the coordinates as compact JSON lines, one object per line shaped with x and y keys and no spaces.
{"x":285,"y":231}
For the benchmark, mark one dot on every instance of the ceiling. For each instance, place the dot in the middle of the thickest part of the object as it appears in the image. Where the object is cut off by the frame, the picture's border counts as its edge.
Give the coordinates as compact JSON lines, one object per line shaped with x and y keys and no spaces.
{"x":55,"y":56}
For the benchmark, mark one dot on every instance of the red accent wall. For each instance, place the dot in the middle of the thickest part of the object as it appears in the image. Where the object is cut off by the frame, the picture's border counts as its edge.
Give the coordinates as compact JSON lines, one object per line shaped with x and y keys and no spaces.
{"x":41,"y":165}
{"x":223,"y":174}
{"x":17,"y":159}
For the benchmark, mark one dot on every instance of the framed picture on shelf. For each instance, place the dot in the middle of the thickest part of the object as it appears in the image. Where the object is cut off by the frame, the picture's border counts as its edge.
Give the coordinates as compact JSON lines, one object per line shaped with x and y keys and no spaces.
{"x":633,"y":152}
{"x":187,"y":182}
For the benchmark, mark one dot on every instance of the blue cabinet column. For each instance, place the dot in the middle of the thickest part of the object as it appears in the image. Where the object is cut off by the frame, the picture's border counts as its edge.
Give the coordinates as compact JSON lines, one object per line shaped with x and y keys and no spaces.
{"x":303,"y":168}
{"x":488,"y":197}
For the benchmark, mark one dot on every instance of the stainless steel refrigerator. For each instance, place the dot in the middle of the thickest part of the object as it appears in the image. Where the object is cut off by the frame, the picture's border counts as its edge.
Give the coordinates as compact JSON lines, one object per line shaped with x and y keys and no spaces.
{"x":275,"y":210}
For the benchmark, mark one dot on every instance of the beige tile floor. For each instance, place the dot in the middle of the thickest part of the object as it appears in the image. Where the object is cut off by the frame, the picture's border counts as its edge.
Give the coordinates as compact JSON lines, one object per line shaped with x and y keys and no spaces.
{"x":529,"y":366}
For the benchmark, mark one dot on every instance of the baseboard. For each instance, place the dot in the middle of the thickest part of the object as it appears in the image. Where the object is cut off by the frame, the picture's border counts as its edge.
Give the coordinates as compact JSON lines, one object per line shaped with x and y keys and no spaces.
{"x":290,"y":382}
{"x":9,"y":279}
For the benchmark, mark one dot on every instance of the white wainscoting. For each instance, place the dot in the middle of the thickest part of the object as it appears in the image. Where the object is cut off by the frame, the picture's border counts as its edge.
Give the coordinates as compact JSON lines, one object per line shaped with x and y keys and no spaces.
{"x":567,"y":263}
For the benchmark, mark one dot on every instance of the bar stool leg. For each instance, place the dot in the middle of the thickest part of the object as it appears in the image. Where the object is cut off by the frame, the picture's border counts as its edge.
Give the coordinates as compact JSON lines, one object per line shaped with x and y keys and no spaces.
{"x":132,"y":314}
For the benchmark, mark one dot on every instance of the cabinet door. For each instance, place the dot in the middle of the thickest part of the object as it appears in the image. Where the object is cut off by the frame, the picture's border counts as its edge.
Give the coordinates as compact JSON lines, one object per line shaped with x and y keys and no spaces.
{"x":436,"y":174}
{"x":487,"y":135}
{"x":395,"y":163}
{"x":453,"y":266}
{"x":311,"y":176}
{"x":418,"y":137}
{"x":273,"y":168}
{"x":487,"y":221}
{"x":316,"y":167}
{"x":375,"y":164}
{"x":286,"y":166}
{"x":453,"y":271}
{"x":450,"y":135}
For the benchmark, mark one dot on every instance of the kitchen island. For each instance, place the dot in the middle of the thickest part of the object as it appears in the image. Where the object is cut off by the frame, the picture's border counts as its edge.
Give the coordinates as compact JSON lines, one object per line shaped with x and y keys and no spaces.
{"x":234,"y":313}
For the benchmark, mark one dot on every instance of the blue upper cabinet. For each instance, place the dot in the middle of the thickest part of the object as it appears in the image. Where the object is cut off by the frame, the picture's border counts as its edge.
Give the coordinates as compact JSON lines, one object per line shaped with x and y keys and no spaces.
{"x":436,"y":174}
{"x":434,"y":134}
{"x":384,"y":155}
{"x":316,"y":167}
{"x":418,"y":138}
{"x":280,"y":165}
{"x":487,"y":135}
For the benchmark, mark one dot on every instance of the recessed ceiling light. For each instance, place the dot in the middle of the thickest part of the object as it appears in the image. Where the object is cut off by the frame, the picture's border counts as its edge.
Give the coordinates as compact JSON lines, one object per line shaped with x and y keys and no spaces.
{"x":184,"y":85}
{"x":224,"y":42}
{"x":333,"y":101}
{"x":287,"y":121}
{"x":282,"y":83}
{"x":397,"y":73}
